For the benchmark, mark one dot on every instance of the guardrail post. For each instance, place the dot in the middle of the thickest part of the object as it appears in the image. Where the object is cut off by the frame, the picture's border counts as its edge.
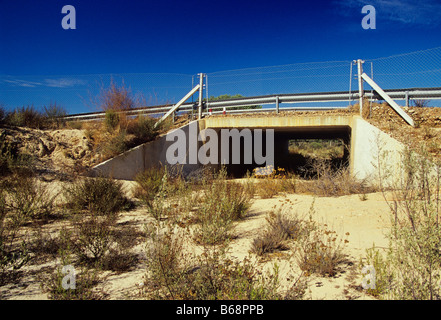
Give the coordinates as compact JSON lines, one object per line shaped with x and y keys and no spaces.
{"x":277,"y":104}
{"x":407,"y":98}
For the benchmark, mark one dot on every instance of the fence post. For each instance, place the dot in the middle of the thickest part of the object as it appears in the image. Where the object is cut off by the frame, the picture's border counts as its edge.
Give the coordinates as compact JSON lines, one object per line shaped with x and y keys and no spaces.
{"x":201,"y":91}
{"x":360,"y":85}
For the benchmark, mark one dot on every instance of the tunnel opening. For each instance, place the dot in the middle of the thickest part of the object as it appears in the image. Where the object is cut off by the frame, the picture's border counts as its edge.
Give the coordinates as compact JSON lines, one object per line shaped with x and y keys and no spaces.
{"x":301,"y":151}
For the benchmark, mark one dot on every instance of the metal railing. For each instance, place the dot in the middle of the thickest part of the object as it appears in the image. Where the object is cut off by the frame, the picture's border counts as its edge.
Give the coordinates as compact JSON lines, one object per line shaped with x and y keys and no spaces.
{"x":216,"y":107}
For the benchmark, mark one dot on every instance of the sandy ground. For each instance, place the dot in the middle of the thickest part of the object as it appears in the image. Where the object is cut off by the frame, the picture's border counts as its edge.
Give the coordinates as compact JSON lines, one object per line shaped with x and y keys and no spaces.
{"x":366,"y":221}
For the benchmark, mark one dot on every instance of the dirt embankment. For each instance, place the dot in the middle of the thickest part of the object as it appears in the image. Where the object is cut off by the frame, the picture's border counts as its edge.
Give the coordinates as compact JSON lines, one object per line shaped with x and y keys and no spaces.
{"x":51,"y":151}
{"x":426,"y":133}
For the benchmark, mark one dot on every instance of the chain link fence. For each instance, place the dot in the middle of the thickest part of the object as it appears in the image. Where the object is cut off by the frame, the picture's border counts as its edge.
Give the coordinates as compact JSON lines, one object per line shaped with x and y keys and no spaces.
{"x":78,"y":93}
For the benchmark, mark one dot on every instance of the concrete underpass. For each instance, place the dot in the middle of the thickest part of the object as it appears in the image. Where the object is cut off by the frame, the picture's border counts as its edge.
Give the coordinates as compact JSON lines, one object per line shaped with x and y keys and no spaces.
{"x":363,"y":141}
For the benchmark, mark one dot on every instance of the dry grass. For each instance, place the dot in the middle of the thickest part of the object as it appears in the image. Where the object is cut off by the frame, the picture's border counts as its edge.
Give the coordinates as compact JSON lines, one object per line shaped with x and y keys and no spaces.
{"x":331,"y":181}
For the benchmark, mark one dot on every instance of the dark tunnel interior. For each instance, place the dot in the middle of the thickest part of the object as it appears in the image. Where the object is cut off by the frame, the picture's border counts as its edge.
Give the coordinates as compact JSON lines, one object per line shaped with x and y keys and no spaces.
{"x":295,"y":150}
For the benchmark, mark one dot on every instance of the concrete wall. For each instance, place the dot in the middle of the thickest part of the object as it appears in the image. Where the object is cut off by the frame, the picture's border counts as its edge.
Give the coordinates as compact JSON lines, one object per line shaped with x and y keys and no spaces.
{"x":127,"y":165}
{"x":373,"y":152}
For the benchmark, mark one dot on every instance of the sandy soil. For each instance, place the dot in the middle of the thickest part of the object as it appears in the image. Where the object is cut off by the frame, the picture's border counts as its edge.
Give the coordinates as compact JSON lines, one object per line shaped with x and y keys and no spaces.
{"x":366,"y":221}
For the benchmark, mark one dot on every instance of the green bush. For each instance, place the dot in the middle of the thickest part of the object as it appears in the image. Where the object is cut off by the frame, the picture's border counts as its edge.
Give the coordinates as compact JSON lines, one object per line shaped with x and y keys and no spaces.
{"x":222,"y":204}
{"x":143,"y":129}
{"x":414,"y":256}
{"x":26,"y":117}
{"x":103,"y":196}
{"x":111,"y":120}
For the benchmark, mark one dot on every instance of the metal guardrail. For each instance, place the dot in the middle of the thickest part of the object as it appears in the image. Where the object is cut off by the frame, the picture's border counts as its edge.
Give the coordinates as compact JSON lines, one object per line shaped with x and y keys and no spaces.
{"x":277,"y":99}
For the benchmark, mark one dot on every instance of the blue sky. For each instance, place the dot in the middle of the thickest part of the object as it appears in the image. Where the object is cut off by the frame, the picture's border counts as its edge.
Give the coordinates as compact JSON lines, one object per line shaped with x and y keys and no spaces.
{"x":139,"y":39}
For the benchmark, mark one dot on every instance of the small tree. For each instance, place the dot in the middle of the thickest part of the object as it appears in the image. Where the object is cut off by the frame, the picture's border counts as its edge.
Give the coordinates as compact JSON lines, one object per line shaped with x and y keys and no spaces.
{"x":421,"y":103}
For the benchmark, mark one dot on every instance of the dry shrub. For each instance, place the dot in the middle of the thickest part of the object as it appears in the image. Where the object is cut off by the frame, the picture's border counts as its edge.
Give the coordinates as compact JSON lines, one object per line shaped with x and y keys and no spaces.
{"x":85,"y":286}
{"x":115,"y":145}
{"x":268,"y":188}
{"x":92,"y":238}
{"x":13,"y":255}
{"x":28,"y":199}
{"x":143,"y":128}
{"x":321,"y":252}
{"x":413,"y":258}
{"x":281,"y":227}
{"x":149,"y":183}
{"x":55,"y":116}
{"x":166,"y":263}
{"x":273,"y":181}
{"x":114,"y":100}
{"x":26,"y":117}
{"x":222,"y":204}
{"x":3,"y":114}
{"x":331,"y":181}
{"x":12,"y":161}
{"x":98,"y":195}
{"x":164,"y":191}
{"x":174,"y":274}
